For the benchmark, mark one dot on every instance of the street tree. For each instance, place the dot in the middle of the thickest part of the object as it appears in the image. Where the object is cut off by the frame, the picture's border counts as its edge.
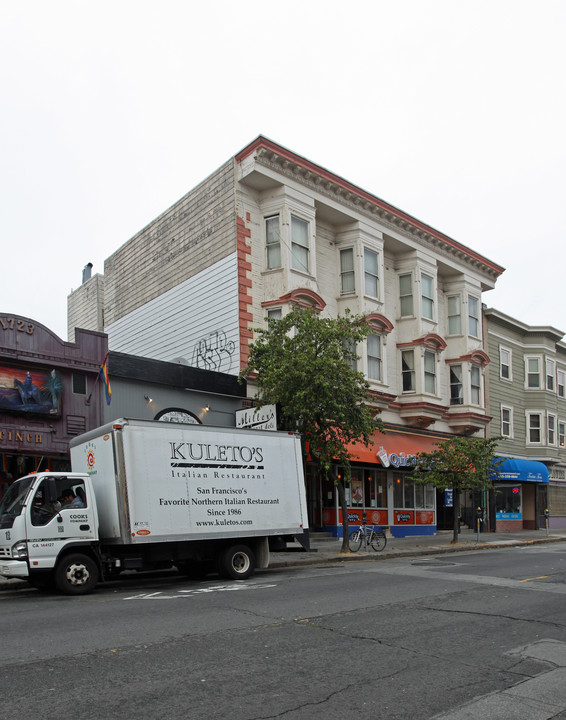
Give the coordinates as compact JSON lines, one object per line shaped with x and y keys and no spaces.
{"x":459,"y":464}
{"x":306,"y":365}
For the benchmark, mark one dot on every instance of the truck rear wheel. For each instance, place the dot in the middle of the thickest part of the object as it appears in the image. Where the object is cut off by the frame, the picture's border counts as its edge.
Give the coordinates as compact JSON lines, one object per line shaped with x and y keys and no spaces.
{"x":236,"y":562}
{"x":76,"y":575}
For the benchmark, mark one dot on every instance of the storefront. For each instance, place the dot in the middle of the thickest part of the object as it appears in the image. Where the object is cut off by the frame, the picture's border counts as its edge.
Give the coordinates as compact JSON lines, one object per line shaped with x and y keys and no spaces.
{"x":381,"y":486}
{"x":520,"y":495}
{"x":48,"y":394}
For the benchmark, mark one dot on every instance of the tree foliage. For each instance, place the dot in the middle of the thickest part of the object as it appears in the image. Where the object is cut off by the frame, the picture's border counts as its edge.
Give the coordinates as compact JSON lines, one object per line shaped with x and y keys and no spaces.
{"x":459,"y":464}
{"x":305,"y":364}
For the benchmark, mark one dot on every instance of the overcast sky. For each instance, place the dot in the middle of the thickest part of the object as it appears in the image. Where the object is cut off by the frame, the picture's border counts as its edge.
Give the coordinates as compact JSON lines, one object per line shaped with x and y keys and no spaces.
{"x":453,"y":111}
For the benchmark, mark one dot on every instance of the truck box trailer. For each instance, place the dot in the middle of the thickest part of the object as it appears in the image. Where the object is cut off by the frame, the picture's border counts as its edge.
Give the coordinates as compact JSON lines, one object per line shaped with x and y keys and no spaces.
{"x":145,"y":495}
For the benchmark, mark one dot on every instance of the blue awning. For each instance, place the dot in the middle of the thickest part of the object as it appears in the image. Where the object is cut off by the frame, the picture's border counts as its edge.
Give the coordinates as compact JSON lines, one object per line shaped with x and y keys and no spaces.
{"x":517,"y":470}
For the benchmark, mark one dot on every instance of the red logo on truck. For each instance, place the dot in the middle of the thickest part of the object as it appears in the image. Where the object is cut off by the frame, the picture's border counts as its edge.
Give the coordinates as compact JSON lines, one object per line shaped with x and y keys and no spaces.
{"x":90,"y":459}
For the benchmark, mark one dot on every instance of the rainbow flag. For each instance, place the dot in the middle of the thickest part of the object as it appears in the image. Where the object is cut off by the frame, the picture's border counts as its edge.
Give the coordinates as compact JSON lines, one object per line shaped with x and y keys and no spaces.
{"x":103,"y":375}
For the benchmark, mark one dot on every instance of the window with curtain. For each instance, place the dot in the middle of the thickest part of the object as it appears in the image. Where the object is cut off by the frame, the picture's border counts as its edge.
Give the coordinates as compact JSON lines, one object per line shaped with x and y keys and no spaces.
{"x":408,"y":370}
{"x":456,"y":385}
{"x":430,"y":372}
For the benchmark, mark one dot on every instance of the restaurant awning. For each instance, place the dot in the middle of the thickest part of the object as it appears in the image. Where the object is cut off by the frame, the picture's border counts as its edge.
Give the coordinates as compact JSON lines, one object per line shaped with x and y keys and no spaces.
{"x":393,"y":449}
{"x":517,"y":470}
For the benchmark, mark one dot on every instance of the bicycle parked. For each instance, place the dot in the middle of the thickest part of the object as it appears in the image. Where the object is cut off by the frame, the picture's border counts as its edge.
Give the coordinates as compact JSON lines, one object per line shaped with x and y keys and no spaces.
{"x":369,"y":536}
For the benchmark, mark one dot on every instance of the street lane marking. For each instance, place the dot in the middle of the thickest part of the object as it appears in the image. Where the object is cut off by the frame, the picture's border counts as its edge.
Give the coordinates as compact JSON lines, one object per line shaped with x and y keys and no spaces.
{"x":539,"y":577}
{"x":197,"y":591}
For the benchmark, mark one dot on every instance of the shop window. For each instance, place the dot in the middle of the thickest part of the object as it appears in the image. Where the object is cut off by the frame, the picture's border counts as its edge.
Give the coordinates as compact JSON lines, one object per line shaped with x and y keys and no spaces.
{"x":408,"y":370}
{"x":427,"y":296}
{"x":550,"y":375}
{"x":347,"y":277}
{"x":473,"y":316}
{"x":424,"y":497}
{"x":403,"y":492}
{"x":507,"y":422}
{"x":374,"y":357}
{"x":375,"y":486}
{"x":504,"y":363}
{"x":79,"y":384}
{"x":272,"y":242}
{"x":508,"y":502}
{"x":299,"y":244}
{"x":456,"y":385}
{"x":406,"y":295}
{"x":371,"y":279}
{"x":454,"y":315}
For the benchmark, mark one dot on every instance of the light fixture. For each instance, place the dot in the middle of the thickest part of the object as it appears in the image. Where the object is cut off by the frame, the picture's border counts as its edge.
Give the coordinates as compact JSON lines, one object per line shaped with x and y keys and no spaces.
{"x":148,"y":399}
{"x":206,"y":408}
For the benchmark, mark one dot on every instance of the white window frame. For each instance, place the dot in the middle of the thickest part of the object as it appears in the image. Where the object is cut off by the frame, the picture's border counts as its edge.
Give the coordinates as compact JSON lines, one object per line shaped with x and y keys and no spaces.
{"x":532,"y":414}
{"x":371,"y":277}
{"x":561,"y":433}
{"x":476,"y":387}
{"x":272,"y":245}
{"x":427,"y":301}
{"x":505,"y":363}
{"x":529,"y":372}
{"x":454,"y":315}
{"x":560,"y":383}
{"x":274,"y":314}
{"x":551,"y":427}
{"x":550,"y":374}
{"x":372,"y":359}
{"x":347,"y":272}
{"x":404,"y":298}
{"x":296,"y":245}
{"x":474,"y":319}
{"x":509,"y":421}
{"x":429,"y":372}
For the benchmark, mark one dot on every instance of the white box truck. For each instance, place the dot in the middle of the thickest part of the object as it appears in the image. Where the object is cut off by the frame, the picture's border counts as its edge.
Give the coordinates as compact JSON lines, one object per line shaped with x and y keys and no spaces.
{"x":145,"y":495}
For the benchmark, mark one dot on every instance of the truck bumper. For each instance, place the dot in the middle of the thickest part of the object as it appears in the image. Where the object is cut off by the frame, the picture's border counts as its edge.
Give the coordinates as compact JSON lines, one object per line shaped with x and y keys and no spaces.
{"x":14,"y":568}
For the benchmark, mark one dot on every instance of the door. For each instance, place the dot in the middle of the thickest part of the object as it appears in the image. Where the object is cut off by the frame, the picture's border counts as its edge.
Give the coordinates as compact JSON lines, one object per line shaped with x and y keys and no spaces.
{"x":53,"y":524}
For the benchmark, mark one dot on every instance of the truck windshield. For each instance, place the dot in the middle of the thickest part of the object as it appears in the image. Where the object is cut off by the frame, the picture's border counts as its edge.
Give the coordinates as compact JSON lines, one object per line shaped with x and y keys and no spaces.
{"x":13,"y":501}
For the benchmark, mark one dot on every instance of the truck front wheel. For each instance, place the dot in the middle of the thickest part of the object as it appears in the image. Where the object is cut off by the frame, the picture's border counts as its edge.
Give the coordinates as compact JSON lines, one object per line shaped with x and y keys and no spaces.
{"x":236,"y":562}
{"x":76,"y":575}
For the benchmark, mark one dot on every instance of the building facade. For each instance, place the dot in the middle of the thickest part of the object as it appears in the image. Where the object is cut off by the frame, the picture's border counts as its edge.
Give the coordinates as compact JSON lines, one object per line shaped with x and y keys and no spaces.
{"x":527,"y":401}
{"x":48,"y":394}
{"x":269,"y":230}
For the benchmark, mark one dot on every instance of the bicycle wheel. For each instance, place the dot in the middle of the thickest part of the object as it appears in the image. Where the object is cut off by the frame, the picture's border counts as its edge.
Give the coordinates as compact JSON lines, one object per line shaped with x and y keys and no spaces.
{"x":355,"y":540}
{"x":378,"y":540}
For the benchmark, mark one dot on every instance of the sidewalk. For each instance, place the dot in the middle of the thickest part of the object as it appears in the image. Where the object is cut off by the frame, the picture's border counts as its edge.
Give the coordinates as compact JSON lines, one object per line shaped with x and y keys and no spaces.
{"x":327,"y":550}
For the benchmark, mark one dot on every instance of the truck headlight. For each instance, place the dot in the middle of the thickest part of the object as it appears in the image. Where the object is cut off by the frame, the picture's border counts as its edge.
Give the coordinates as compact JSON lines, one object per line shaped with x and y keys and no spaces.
{"x":20,"y":550}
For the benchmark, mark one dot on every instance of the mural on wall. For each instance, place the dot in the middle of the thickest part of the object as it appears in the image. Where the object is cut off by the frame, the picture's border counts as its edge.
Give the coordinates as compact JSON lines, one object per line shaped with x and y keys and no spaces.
{"x":30,"y":392}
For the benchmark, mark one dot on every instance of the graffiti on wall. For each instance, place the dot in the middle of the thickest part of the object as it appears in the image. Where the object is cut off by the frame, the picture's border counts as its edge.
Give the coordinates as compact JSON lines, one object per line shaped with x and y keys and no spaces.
{"x":214,"y":352}
{"x":30,"y":392}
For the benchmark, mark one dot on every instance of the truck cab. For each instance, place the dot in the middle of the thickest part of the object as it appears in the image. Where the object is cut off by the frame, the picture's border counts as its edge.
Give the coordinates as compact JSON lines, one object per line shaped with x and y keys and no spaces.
{"x":44,"y":518}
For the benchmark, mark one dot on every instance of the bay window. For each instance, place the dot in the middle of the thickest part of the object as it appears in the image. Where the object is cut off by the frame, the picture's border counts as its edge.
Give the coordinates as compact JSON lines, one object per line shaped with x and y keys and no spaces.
{"x":272,"y":242}
{"x":371,"y":280}
{"x":406,"y":295}
{"x":374,"y":357}
{"x":347,"y":277}
{"x":473,"y":316}
{"x":475,"y":385}
{"x":427,"y":296}
{"x":408,"y":370}
{"x":454,"y":315}
{"x":430,"y":372}
{"x":456,"y":385}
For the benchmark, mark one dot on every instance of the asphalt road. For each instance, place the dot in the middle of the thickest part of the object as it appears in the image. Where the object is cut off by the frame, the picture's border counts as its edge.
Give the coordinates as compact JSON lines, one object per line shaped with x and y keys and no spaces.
{"x":461,"y":636}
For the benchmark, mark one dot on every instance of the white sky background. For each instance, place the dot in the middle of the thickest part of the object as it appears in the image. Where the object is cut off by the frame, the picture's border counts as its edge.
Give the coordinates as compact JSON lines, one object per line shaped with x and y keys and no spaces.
{"x":110,"y":111}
